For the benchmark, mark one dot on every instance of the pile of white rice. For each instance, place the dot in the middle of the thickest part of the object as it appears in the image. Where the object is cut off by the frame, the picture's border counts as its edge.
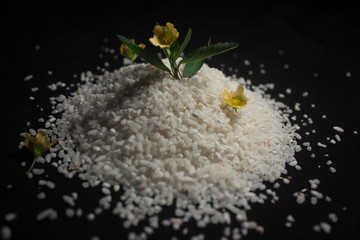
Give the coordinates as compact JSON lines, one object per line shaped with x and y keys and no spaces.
{"x":166,"y":141}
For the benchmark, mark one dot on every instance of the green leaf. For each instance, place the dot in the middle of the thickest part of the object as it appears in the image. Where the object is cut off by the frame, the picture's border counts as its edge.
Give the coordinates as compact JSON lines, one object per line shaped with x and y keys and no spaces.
{"x":192,"y":67}
{"x":208,"y":51}
{"x":145,"y":54}
{"x":183,"y":45}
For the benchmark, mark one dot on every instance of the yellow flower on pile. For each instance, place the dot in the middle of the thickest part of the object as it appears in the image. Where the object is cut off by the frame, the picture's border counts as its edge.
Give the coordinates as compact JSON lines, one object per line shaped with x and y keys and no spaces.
{"x":129,"y":54}
{"x":37,"y":145}
{"x":235,"y":99}
{"x":164,"y":36}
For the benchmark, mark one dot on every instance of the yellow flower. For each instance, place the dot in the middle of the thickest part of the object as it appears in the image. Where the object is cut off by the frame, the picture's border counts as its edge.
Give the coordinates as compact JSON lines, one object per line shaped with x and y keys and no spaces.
{"x":235,"y":99}
{"x":37,"y":145}
{"x":126,"y":52}
{"x":164,"y":36}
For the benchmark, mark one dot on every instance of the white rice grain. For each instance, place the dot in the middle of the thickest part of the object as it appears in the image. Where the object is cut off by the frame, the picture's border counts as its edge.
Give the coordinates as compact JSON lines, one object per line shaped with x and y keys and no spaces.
{"x":49,"y":213}
{"x":338,"y":129}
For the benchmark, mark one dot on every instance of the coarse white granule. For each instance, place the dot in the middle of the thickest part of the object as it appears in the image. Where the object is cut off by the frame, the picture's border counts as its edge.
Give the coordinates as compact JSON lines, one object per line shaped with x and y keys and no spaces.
{"x":106,"y":191}
{"x":95,"y":238}
{"x":316,"y":194}
{"x":79,"y":212}
{"x":317,"y":228}
{"x":321,"y":145}
{"x":338,"y":129}
{"x":314,"y":183}
{"x":337,"y":137}
{"x":333,"y":217}
{"x":28,"y":77}
{"x":50,"y":184}
{"x":34,"y":89}
{"x":47,"y":183}
{"x":9,"y":217}
{"x":52,"y":87}
{"x":41,"y":196}
{"x":328,"y":199}
{"x":131,"y":235}
{"x":148,"y":230}
{"x":69,"y":212}
{"x":38,"y":171}
{"x":313,"y":200}
{"x":32,"y":131}
{"x":300,"y":198}
{"x":286,"y":181}
{"x":6,"y":232}
{"x":325,"y":227}
{"x":290,"y":218}
{"x":49,"y":213}
{"x":90,"y":217}
{"x":69,"y":200}
{"x":288,"y":224}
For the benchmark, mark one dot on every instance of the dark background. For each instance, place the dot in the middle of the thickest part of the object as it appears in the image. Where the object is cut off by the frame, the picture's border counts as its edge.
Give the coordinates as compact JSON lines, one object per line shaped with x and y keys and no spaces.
{"x":320,"y":44}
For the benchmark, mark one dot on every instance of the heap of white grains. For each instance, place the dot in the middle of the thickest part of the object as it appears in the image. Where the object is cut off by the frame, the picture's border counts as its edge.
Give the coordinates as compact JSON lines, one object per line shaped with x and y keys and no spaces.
{"x":166,"y":142}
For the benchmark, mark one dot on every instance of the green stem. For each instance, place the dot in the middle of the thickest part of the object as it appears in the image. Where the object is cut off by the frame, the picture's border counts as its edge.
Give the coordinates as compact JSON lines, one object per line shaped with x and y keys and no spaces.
{"x":174,"y":68}
{"x":178,"y":68}
{"x":32,"y":165}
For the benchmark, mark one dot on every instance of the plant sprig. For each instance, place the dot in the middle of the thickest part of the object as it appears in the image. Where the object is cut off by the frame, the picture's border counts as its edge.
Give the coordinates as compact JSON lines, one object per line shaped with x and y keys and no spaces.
{"x":37,"y":145}
{"x":166,"y":37}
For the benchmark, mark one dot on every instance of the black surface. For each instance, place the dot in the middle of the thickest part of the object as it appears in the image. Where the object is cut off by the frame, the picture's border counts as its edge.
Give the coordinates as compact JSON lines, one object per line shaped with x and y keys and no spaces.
{"x":314,"y":40}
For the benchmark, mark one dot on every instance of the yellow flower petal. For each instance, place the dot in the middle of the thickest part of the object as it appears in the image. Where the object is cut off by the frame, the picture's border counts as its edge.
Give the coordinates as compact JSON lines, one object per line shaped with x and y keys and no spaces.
{"x":154,"y":41}
{"x":164,"y":36}
{"x":129,"y":54}
{"x":226,"y":96}
{"x":239,"y":91}
{"x":38,"y":144}
{"x":235,"y":99}
{"x":169,"y":25}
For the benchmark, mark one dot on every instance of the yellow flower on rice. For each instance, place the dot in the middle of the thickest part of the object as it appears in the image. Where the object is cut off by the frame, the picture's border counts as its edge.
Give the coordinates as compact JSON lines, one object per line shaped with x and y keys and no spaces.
{"x":164,"y":36}
{"x":235,"y":99}
{"x":129,"y":54}
{"x":37,"y":145}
